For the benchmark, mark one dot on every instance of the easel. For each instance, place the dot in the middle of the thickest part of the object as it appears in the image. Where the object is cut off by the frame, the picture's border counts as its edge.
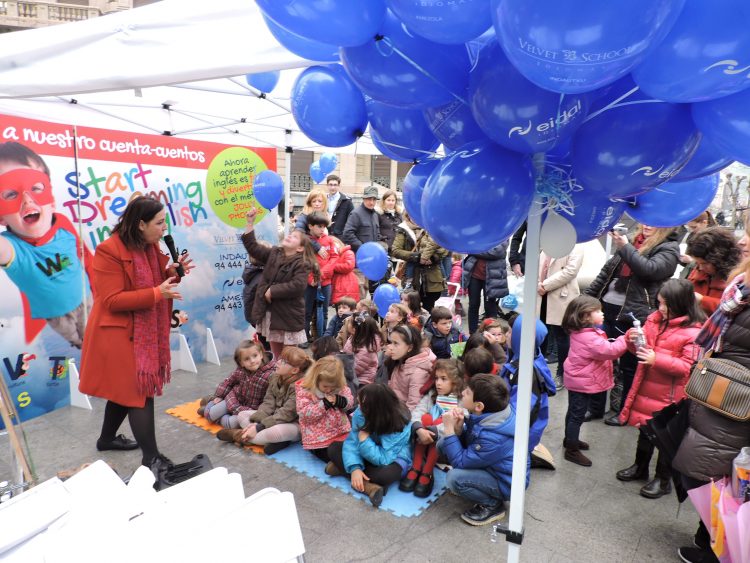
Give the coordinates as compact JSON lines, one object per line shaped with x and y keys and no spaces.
{"x":8,"y":413}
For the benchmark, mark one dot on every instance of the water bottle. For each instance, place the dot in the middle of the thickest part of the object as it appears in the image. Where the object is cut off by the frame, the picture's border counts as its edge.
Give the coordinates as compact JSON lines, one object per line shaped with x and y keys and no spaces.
{"x":640,"y":341}
{"x":741,"y":475}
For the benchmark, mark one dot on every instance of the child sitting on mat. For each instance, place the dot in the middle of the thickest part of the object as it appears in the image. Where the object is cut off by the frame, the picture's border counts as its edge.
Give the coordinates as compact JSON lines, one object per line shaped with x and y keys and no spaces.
{"x":322,"y":401}
{"x":274,"y":424}
{"x":240,"y":394}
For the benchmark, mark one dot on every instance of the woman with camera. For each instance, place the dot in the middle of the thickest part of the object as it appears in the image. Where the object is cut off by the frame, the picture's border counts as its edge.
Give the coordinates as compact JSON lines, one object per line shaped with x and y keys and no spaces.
{"x":627,"y":287}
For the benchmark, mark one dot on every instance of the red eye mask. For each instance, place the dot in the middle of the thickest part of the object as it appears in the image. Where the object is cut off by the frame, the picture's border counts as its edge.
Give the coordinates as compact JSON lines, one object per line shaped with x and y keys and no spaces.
{"x":17,"y":182}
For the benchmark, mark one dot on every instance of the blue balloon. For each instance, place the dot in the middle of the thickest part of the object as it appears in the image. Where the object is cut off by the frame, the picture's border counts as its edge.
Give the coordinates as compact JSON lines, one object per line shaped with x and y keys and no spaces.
{"x":372,"y":260}
{"x":593,"y":215}
{"x":453,"y":124}
{"x":328,"y":162}
{"x":328,"y":107}
{"x":384,"y":296}
{"x":477,"y":197}
{"x":631,"y":148}
{"x":268,"y":188}
{"x":444,"y":22}
{"x":432,"y":75}
{"x":413,"y":188}
{"x":385,"y":149}
{"x":675,"y":203}
{"x":726,"y":123}
{"x":706,"y":160}
{"x":580,"y":45}
{"x":706,"y":54}
{"x":316,"y":173}
{"x":263,"y":81}
{"x":515,"y":113}
{"x":345,"y":22}
{"x":403,"y":131}
{"x":305,"y":48}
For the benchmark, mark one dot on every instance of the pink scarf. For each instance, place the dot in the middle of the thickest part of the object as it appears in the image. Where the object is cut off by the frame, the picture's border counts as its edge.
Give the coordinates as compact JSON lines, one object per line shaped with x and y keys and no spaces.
{"x":151,"y":327}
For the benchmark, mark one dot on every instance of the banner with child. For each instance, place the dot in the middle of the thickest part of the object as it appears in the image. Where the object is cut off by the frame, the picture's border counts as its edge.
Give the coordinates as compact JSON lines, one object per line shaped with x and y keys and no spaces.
{"x":62,"y":189}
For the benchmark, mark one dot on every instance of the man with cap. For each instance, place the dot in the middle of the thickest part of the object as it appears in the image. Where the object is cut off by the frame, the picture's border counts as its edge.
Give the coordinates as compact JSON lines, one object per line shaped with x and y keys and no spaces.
{"x":363,"y":224}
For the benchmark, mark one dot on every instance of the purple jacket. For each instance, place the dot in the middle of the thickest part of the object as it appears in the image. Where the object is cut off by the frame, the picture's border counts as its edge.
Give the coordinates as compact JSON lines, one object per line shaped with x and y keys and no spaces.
{"x":588,"y":368}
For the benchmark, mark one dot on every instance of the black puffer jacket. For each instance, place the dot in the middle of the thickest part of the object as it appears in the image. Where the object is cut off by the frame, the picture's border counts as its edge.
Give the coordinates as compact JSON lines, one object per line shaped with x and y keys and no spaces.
{"x":649,"y":271}
{"x":712,"y":440}
{"x":496,"y":284}
{"x":388,"y":224}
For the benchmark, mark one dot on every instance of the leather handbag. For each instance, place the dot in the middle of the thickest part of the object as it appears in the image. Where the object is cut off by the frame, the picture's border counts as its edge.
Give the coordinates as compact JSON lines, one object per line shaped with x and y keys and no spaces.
{"x":722,"y":386}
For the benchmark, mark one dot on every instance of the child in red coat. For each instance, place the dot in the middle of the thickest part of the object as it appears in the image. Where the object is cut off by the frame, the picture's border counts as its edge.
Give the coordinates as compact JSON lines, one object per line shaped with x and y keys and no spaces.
{"x":663,"y":371}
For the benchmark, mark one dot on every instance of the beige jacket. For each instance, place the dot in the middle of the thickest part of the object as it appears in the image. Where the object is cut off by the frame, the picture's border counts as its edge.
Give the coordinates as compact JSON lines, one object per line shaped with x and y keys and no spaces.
{"x":560,"y":283}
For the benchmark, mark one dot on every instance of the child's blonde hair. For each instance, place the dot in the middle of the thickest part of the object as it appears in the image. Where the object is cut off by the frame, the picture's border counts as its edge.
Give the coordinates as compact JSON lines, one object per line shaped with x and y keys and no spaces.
{"x":249,"y":345}
{"x":327,"y":369}
{"x":368,"y":306}
{"x":296,"y":358}
{"x":403,"y":311}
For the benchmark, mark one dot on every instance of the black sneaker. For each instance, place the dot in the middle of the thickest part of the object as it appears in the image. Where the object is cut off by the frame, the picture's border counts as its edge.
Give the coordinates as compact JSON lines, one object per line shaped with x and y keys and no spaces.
{"x":119,"y":443}
{"x":479,"y":514}
{"x":696,"y":555}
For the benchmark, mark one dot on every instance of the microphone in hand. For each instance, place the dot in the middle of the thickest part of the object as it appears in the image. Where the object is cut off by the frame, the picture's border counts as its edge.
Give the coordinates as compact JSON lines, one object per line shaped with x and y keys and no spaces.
{"x":169,"y":241}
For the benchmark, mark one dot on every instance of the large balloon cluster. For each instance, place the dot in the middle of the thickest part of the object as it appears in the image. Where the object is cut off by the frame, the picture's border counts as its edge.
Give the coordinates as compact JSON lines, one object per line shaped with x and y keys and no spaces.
{"x":593,"y":107}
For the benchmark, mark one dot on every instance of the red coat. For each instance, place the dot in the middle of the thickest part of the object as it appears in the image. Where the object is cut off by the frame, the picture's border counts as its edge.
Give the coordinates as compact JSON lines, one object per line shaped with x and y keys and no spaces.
{"x":325,"y":264}
{"x":345,"y":283}
{"x":711,"y":288}
{"x":654,"y":387}
{"x":107,"y":357}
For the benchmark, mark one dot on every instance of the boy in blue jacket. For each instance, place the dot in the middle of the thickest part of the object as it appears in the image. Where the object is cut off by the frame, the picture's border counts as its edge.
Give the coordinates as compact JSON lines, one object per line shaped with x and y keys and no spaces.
{"x":480,"y":449}
{"x":441,"y":332}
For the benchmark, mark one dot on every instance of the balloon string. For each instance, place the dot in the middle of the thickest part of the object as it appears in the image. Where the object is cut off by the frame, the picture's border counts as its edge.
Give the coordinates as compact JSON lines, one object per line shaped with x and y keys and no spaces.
{"x":395,"y":146}
{"x":555,"y":186}
{"x":616,"y":104}
{"x":413,"y":63}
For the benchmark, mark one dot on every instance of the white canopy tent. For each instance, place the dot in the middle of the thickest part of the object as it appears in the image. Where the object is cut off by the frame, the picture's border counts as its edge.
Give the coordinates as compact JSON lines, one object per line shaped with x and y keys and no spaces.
{"x":176,"y":67}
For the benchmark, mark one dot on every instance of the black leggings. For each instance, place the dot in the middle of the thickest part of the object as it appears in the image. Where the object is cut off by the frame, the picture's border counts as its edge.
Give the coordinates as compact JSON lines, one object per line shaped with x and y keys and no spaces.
{"x":141,"y":423}
{"x":382,"y":475}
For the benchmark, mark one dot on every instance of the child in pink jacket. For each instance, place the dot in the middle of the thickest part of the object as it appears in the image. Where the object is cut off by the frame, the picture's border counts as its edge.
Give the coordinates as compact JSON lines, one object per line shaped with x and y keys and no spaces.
{"x":588,"y":368}
{"x":365,"y":344}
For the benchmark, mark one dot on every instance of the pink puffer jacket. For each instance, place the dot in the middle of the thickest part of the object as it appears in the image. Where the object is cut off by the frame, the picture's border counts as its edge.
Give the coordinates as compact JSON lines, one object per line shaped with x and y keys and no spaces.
{"x":408,"y":378}
{"x":365,"y":361}
{"x":588,"y":368}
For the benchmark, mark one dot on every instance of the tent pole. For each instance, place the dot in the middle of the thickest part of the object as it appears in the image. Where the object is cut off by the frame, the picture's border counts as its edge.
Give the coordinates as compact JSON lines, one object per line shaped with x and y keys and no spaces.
{"x":287,"y":179}
{"x":525,"y":370}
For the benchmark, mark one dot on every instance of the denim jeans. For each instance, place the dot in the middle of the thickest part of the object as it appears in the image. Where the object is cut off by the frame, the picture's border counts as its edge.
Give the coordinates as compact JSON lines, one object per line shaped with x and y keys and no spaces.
{"x":578,"y":404}
{"x":311,"y":295}
{"x":476,"y":485}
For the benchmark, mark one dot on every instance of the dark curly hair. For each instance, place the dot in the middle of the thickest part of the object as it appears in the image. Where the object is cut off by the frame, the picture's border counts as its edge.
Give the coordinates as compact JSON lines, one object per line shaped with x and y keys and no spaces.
{"x":715,"y":245}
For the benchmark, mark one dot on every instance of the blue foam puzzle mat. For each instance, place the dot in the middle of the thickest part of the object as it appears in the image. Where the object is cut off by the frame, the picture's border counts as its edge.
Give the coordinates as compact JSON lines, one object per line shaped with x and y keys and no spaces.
{"x":401,"y":504}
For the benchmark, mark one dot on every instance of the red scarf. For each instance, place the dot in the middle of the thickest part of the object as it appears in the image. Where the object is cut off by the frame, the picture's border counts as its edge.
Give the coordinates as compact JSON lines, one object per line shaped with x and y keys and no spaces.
{"x":150,"y":327}
{"x":625,"y":272}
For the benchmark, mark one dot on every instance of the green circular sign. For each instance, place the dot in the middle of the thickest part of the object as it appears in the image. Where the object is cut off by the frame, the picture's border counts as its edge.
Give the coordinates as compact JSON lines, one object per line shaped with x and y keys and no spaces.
{"x":229,"y":185}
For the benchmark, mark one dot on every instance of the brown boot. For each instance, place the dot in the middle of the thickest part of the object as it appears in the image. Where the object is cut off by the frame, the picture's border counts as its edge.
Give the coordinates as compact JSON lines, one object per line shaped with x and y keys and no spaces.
{"x":575,"y":455}
{"x":205,"y":400}
{"x":332,"y":470}
{"x":375,"y":492}
{"x":229,"y":435}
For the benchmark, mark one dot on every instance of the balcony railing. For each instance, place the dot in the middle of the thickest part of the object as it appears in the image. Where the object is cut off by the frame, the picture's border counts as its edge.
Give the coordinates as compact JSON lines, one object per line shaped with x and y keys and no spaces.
{"x":24,"y":14}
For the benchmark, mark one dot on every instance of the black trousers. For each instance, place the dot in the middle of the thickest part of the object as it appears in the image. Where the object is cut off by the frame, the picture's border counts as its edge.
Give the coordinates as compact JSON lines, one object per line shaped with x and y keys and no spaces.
{"x":382,"y":475}
{"x":478,"y":289}
{"x":628,"y":362}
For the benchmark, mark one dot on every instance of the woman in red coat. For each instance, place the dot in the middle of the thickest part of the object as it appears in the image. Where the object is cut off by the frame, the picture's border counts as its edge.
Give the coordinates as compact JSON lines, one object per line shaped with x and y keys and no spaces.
{"x":663,"y":371}
{"x":125,"y":357}
{"x":715,"y":253}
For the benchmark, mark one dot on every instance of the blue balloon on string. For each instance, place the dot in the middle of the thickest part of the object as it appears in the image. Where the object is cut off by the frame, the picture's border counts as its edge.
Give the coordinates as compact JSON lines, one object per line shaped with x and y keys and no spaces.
{"x":404,"y":70}
{"x":372,"y":260}
{"x":675,"y":203}
{"x":706,"y":54}
{"x":579,"y":45}
{"x":516,"y":113}
{"x":385,"y":148}
{"x":477,"y":197}
{"x":305,"y":48}
{"x":706,"y":160}
{"x":630,"y":149}
{"x":268,"y":188}
{"x":593,"y":215}
{"x":344,"y":22}
{"x":413,"y":188}
{"x":328,"y":107}
{"x":316,"y":173}
{"x":384,"y":296}
{"x":403,"y":131}
{"x":444,"y":22}
{"x":726,"y":124}
{"x":263,"y":81}
{"x":453,"y":124}
{"x":328,"y":162}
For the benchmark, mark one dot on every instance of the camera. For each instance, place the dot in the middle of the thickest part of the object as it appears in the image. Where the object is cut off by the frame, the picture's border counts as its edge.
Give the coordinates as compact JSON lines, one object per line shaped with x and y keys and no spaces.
{"x":620,"y":229}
